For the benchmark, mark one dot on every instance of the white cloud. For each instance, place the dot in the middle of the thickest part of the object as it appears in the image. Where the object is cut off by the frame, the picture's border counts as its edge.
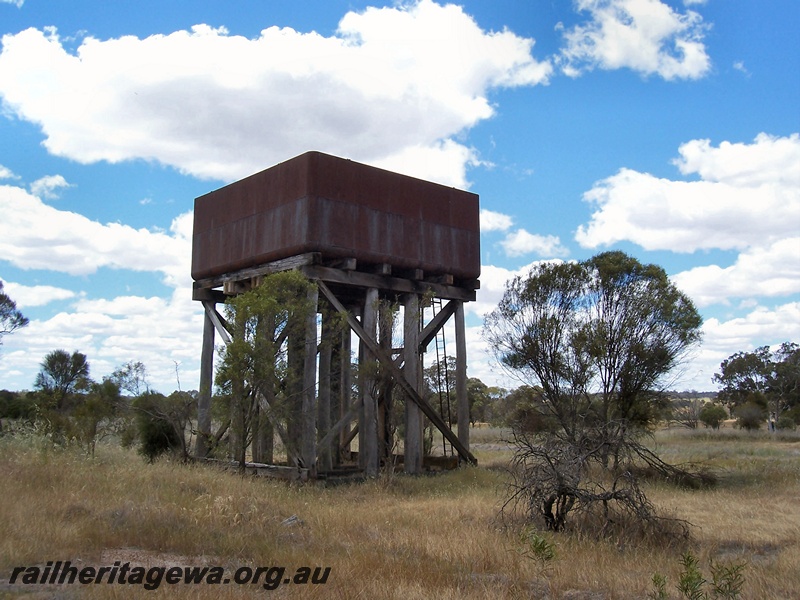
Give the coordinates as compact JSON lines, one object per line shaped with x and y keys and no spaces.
{"x":758,"y":272}
{"x":646,"y":36}
{"x":36,"y":295}
{"x":722,"y":338}
{"x":49,"y":186}
{"x":739,"y":66}
{"x":735,"y":206}
{"x":521,"y":242}
{"x":768,"y":160}
{"x":494,"y":221}
{"x":747,"y":199}
{"x":156,"y":331}
{"x":34,"y":235}
{"x":762,"y":326}
{"x":6,"y":173}
{"x":17,"y":3}
{"x":393,"y":85}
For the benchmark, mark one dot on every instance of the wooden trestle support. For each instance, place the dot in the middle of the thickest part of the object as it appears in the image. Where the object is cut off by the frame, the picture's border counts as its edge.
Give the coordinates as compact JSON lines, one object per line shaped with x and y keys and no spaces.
{"x":326,"y":418}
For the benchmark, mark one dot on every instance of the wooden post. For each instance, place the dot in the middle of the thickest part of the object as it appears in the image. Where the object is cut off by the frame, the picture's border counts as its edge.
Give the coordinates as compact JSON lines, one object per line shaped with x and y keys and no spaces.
{"x":324,"y":399}
{"x":308,"y":448}
{"x":368,"y":427}
{"x":206,"y":379}
{"x":345,"y":388}
{"x":413,"y":373}
{"x":263,"y":431}
{"x":237,"y":436}
{"x":386,"y":387}
{"x":294,"y":385}
{"x":461,"y":377}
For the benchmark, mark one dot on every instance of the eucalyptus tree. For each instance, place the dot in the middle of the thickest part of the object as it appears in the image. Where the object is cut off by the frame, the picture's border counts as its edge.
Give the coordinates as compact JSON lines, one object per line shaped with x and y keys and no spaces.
{"x":260,"y":371}
{"x":61,"y":375}
{"x":598,"y":339}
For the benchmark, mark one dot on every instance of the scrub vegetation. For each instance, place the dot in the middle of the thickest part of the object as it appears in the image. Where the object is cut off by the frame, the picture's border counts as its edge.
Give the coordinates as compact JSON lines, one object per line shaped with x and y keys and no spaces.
{"x":396,"y":536}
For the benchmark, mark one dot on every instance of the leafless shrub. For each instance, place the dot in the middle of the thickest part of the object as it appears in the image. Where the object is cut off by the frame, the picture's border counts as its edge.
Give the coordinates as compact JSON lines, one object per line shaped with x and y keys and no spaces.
{"x":554,"y":478}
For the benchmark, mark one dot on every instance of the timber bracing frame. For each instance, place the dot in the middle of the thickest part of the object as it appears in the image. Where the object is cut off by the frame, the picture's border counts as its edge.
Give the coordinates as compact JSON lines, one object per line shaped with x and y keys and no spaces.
{"x":340,"y":286}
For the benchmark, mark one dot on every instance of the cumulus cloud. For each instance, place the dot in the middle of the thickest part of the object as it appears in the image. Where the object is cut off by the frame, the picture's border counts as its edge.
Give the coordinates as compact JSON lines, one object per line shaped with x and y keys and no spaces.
{"x":748,"y":195}
{"x":17,"y":3}
{"x":761,"y":326}
{"x":647,"y":36}
{"x":36,"y":295}
{"x":522,"y":242}
{"x":49,"y":187}
{"x":34,"y":235}
{"x":6,"y":173}
{"x":391,"y":86}
{"x":758,"y":272}
{"x":747,"y":199}
{"x":159,"y":332}
{"x":494,"y":221}
{"x":768,"y":160}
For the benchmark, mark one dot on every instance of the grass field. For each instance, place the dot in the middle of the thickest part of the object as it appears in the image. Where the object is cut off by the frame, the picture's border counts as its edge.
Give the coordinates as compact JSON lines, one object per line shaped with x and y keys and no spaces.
{"x":395,"y":537}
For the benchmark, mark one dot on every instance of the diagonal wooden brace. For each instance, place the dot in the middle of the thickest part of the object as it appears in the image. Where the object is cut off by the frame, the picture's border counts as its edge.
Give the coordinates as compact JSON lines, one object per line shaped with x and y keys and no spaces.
{"x":430,"y":331}
{"x":219,"y":323}
{"x":386,"y":360}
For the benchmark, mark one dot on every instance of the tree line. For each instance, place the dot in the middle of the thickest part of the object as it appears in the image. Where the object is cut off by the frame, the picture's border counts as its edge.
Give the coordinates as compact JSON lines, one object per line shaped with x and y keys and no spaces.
{"x":757,"y":388}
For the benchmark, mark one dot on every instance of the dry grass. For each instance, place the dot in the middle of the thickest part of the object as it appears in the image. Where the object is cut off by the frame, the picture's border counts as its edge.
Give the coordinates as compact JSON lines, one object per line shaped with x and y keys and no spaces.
{"x":397,"y":537}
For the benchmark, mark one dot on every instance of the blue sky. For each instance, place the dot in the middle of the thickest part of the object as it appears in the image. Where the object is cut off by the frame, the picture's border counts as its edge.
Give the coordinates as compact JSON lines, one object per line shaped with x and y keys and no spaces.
{"x":669,"y":129}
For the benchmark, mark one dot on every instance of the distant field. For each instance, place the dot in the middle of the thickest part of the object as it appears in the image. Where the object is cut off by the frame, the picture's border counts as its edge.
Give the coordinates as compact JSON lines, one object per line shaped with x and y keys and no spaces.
{"x":396,"y":537}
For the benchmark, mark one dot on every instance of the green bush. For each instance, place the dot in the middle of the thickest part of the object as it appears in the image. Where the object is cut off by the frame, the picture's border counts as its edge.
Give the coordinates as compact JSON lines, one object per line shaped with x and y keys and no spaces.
{"x":17,"y":405}
{"x":157,"y":434}
{"x":750,"y":416}
{"x":793,"y":414}
{"x":726,"y":581}
{"x":712,"y":415}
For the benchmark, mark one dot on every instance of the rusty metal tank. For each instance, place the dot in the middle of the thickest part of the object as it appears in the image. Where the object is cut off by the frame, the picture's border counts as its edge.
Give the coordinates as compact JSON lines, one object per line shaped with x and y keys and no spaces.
{"x":339,"y":208}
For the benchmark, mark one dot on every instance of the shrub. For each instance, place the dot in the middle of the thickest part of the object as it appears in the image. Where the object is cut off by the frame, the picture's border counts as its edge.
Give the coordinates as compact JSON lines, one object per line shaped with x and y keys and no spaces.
{"x":793,"y":414}
{"x":156,"y":432}
{"x":712,"y":415}
{"x":726,"y":581}
{"x":750,"y":416}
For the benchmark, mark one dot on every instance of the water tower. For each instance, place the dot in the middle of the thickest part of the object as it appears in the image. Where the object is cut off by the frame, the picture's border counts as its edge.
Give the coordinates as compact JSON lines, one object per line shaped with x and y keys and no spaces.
{"x":362,"y":235}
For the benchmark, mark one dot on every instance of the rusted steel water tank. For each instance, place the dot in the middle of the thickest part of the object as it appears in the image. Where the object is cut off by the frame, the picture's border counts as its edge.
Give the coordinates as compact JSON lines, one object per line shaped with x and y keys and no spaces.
{"x":316,"y":202}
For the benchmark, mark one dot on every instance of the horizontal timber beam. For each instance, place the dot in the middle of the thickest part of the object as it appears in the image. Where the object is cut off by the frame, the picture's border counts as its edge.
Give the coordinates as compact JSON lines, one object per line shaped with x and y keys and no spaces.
{"x":387,"y":283}
{"x":285,"y":264}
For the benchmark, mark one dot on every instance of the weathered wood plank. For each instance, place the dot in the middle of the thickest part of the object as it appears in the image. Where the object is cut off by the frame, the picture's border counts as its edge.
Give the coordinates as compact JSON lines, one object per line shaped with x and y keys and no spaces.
{"x":462,"y":399}
{"x":285,"y":264}
{"x":202,"y":445}
{"x":369,"y":426}
{"x":387,"y":283}
{"x":413,"y":442}
{"x":219,"y":323}
{"x":309,"y":409}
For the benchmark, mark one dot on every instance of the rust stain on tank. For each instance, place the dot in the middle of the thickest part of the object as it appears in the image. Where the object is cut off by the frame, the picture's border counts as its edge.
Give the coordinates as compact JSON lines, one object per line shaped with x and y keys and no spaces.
{"x":316,"y":202}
